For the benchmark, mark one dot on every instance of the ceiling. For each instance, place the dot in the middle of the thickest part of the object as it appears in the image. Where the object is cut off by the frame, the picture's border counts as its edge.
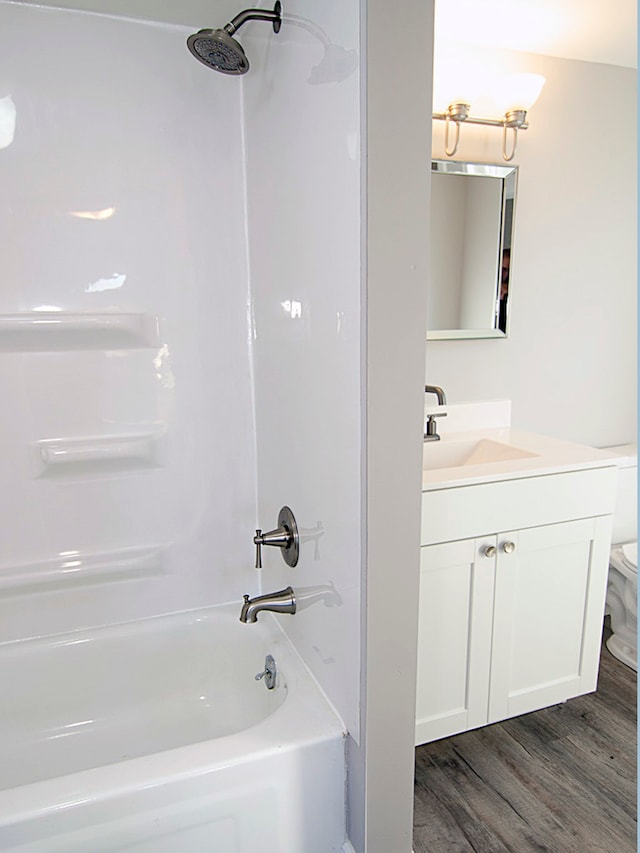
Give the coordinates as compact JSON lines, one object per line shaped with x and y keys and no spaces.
{"x":590,"y":30}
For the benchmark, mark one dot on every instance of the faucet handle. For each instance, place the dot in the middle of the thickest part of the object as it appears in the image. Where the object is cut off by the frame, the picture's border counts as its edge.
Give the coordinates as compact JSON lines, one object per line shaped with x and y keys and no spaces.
{"x":431,"y":433}
{"x":268,"y":673}
{"x":258,"y":540}
{"x":281,"y":537}
{"x":285,"y":537}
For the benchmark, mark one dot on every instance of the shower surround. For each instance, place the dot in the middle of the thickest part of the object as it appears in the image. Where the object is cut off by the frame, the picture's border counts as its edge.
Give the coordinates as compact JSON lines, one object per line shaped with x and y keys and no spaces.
{"x":180,"y":326}
{"x":128,"y":445}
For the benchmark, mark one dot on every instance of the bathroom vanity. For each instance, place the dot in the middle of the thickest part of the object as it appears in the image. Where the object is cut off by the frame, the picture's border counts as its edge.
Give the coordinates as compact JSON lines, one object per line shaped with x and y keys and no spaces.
{"x":516,"y":530}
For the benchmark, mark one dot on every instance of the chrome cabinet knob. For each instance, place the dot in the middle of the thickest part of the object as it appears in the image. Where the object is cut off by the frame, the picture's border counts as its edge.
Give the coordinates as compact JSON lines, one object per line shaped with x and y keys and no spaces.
{"x":509,"y":547}
{"x":490,"y":551}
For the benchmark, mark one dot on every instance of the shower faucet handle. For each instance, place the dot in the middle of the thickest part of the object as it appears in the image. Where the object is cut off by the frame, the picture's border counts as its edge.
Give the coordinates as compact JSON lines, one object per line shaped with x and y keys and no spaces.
{"x":281,"y":538}
{"x":285,"y":537}
{"x":258,"y":540}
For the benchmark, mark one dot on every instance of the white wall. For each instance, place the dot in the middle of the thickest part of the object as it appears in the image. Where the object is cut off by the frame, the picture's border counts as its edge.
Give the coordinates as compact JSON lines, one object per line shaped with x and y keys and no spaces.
{"x":117,"y":114}
{"x":569,"y":364}
{"x":194,"y":13}
{"x":303,"y":190}
{"x":397,"y":124}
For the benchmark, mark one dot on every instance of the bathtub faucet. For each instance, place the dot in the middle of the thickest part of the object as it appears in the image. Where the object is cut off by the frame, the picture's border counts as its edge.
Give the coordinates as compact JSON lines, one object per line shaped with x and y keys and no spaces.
{"x":283,"y":601}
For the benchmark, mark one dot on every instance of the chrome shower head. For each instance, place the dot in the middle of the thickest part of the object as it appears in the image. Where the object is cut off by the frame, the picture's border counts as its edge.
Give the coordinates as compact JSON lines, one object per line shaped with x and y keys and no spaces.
{"x":217,"y":48}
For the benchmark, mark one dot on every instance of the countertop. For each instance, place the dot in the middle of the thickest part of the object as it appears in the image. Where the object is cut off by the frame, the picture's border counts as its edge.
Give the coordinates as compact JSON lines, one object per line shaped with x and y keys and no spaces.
{"x":552,"y":456}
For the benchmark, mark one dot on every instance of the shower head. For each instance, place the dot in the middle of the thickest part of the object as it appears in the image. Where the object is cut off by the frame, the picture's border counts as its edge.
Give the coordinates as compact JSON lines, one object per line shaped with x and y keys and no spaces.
{"x":217,"y":49}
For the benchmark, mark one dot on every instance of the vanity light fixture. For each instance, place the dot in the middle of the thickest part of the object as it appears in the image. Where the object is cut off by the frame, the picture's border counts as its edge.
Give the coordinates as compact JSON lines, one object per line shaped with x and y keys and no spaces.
{"x":517,"y":94}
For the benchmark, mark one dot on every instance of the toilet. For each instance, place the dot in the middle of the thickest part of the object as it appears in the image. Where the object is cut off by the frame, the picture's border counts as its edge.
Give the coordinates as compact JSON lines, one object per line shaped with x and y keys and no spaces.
{"x":622,"y":588}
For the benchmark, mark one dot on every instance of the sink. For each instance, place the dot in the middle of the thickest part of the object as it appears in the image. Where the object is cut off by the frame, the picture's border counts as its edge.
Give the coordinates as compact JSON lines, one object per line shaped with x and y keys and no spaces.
{"x":490,"y":454}
{"x":454,"y":454}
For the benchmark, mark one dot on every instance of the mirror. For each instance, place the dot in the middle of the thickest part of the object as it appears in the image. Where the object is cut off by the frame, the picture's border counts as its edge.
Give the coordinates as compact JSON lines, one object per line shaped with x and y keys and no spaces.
{"x":472,"y":225}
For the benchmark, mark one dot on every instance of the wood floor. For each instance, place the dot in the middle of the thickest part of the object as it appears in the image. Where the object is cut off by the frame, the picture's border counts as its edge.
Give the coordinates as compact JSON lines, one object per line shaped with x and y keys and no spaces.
{"x":560,"y":780}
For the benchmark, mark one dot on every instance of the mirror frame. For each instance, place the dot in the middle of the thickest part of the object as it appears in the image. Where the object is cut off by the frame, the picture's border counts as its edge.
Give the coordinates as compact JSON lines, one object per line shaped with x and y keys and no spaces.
{"x":509,"y":177}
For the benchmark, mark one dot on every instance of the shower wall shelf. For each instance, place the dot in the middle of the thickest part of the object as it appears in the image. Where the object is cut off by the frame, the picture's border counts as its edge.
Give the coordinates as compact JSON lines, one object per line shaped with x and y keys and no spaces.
{"x":51,"y":331}
{"x":101,"y":455}
{"x":75,"y":569}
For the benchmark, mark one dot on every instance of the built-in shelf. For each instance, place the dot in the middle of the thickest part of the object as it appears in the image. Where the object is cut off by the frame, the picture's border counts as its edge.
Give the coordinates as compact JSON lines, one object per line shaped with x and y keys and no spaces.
{"x":97,"y":456}
{"x":74,"y":569}
{"x":50,"y":331}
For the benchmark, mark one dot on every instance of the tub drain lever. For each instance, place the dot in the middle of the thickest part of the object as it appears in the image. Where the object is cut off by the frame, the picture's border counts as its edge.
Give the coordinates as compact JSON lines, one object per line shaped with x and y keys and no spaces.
{"x":269,"y":673}
{"x":285,"y":536}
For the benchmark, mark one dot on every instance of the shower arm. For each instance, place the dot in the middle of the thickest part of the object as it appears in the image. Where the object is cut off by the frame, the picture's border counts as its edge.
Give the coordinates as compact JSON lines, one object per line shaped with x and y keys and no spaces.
{"x":256,"y":15}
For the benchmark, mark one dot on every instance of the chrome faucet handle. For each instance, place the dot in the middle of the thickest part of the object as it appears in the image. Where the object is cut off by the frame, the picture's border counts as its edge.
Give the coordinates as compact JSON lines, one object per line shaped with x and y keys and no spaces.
{"x":431,"y":433}
{"x":269,"y":672}
{"x":281,"y":538}
{"x":258,"y":542}
{"x":285,"y":537}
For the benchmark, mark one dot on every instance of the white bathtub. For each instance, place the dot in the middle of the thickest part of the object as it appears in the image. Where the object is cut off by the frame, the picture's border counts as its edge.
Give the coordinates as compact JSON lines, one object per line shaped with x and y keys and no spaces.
{"x":154,"y":736}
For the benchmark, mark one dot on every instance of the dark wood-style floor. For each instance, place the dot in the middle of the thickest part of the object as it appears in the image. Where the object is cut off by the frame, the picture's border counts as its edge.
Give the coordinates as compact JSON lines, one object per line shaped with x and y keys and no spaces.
{"x":560,"y":780}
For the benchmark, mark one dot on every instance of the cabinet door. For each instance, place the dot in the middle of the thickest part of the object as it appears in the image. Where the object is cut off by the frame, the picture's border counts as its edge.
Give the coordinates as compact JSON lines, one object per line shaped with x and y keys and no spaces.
{"x":454,"y":637}
{"x":549,"y":603}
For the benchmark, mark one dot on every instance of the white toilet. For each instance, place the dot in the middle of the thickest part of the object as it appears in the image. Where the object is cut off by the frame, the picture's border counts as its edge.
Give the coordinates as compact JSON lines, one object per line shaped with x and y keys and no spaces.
{"x":622,"y":589}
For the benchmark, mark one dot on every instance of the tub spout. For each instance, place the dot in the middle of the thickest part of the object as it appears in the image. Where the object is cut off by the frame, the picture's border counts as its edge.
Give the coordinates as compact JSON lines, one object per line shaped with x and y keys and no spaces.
{"x":283,"y":601}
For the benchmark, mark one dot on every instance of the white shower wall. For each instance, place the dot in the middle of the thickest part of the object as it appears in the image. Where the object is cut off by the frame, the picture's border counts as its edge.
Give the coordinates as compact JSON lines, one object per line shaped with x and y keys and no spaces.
{"x":127,"y":435}
{"x":302,"y":120}
{"x":171,"y":236}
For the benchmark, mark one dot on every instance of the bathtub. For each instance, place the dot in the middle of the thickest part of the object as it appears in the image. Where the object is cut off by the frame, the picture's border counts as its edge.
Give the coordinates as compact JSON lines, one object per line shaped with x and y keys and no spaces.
{"x":154,"y":736}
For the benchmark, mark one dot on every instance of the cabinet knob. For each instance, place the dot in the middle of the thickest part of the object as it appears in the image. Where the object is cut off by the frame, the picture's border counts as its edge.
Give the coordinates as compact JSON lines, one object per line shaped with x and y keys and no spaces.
{"x":509,"y":547}
{"x":490,"y":551}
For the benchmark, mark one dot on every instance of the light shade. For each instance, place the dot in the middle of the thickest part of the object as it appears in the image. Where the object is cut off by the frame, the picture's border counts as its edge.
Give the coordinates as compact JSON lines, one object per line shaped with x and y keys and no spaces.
{"x":518,"y":92}
{"x":455,"y":82}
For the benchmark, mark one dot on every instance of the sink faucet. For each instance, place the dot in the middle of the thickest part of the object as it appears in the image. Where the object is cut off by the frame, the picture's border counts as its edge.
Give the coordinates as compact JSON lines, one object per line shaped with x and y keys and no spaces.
{"x":435,"y":389}
{"x":283,"y":601}
{"x":431,"y":431}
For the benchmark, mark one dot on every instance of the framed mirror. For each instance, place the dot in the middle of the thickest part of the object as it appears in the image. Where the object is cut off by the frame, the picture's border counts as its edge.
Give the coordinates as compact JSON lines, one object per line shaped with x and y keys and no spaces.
{"x":472,"y":229}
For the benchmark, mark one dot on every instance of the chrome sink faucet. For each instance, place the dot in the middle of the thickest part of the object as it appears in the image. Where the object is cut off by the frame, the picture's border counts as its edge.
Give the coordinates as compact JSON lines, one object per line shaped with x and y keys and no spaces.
{"x":283,"y":601}
{"x":431,"y":430}
{"x":435,"y":389}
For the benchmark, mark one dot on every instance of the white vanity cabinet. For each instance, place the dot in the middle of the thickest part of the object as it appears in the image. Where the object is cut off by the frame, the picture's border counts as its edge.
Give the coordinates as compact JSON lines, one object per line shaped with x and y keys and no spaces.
{"x":512,"y":589}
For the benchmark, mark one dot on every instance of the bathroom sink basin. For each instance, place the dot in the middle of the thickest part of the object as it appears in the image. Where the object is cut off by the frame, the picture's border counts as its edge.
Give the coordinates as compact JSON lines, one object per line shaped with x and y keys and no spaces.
{"x":455,"y":454}
{"x":479,"y":445}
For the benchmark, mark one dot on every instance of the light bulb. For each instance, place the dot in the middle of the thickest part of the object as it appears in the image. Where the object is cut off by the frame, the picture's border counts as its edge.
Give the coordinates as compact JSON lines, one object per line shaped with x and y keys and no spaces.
{"x":518,"y":92}
{"x":448,"y":91}
{"x":454,"y":83}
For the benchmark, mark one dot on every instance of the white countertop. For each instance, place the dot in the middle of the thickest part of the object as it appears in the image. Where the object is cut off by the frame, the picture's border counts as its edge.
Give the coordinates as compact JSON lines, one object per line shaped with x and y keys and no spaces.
{"x":550,"y":456}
